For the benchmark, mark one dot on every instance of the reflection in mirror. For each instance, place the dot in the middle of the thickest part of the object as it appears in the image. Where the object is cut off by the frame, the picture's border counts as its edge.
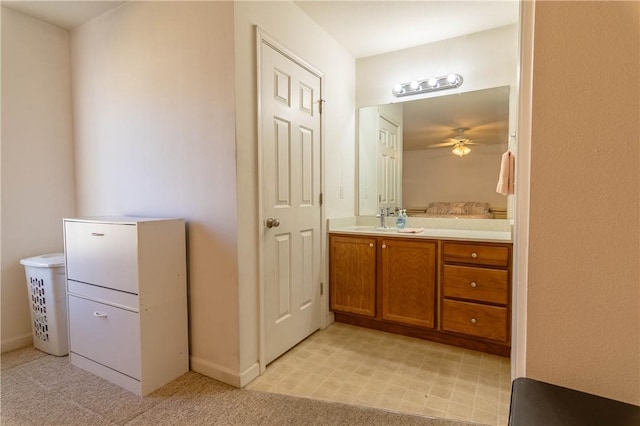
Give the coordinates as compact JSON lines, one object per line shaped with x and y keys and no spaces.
{"x":427,"y":154}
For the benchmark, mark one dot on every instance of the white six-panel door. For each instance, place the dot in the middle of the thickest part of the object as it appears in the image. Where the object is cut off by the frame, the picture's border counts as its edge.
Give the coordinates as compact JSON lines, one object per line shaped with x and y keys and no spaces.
{"x":388,"y":153}
{"x":290,"y":132}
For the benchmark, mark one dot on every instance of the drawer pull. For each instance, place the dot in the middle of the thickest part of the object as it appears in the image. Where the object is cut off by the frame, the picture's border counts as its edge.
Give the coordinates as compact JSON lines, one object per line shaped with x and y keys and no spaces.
{"x":474,"y":255}
{"x":473,"y":320}
{"x":97,"y":234}
{"x":473,"y":284}
{"x":99,"y":314}
{"x":370,"y":244}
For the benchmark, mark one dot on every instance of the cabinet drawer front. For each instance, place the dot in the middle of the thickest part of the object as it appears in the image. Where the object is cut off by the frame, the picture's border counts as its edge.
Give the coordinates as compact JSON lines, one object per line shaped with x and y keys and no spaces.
{"x":102,"y":254}
{"x":481,"y":284}
{"x":478,"y":254}
{"x":105,"y":334}
{"x":473,"y":319}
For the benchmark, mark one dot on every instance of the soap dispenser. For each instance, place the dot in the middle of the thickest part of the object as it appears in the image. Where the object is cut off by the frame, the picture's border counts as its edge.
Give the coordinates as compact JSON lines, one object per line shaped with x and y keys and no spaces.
{"x":401,"y":220}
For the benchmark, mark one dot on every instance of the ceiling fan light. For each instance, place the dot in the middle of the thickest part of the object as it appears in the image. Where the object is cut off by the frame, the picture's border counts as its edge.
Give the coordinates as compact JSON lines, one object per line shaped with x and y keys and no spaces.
{"x":461,"y":150}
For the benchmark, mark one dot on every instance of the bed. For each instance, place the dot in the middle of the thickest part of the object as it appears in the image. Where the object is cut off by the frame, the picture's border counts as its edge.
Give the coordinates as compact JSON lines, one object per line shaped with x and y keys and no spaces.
{"x":458,"y":209}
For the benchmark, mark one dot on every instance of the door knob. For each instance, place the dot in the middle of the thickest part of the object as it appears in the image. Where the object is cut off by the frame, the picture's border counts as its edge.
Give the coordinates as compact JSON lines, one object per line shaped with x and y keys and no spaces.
{"x":272,"y":223}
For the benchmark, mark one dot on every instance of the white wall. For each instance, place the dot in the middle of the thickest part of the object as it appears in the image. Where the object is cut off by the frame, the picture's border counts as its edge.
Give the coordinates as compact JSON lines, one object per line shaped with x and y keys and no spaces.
{"x":154,"y":126}
{"x":297,"y":32}
{"x":37,"y":169}
{"x":452,"y":178}
{"x":486,"y":59}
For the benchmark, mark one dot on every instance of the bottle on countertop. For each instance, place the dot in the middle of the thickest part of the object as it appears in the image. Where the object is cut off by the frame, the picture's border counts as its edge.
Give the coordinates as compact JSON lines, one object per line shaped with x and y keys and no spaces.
{"x":401,"y":220}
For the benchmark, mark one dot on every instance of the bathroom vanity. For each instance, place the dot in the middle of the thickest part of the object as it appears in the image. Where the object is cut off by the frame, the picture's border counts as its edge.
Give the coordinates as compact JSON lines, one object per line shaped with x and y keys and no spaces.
{"x":448,"y":286}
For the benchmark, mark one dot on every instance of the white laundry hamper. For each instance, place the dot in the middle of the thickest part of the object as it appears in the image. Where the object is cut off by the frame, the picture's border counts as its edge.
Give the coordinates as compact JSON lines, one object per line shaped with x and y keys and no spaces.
{"x":46,"y":282}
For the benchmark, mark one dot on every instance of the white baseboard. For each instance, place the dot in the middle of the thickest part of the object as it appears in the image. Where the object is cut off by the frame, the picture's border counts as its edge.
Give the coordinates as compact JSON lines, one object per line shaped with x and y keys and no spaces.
{"x":249,"y":374}
{"x":215,"y":371}
{"x":329,"y":319}
{"x":14,"y":343}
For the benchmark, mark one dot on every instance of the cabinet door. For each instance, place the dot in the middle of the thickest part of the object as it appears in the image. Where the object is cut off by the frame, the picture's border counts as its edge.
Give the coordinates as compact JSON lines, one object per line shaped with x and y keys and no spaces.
{"x":353,"y":275}
{"x":409,"y":282}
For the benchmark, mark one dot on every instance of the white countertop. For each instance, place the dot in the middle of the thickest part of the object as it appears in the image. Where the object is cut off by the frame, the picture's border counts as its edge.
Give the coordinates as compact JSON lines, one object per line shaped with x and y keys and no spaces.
{"x":448,"y":234}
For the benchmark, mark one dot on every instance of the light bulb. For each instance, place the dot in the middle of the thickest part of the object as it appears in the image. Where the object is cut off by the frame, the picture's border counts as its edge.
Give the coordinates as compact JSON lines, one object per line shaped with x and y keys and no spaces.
{"x":452,"y":78}
{"x":432,"y":82}
{"x":414,"y":85}
{"x":397,"y":88}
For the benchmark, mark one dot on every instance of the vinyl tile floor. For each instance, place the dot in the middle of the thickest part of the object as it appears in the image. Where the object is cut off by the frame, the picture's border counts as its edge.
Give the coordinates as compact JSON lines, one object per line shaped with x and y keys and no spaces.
{"x":355,"y":365}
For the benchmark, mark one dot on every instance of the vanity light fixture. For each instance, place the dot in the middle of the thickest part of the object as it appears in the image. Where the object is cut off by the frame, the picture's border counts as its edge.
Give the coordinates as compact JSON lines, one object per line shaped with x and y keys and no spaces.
{"x":432,"y":84}
{"x":461,"y":150}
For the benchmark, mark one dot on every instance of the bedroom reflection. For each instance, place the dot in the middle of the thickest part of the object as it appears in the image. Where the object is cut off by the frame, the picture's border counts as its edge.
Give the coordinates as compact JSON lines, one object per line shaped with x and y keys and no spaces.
{"x":406,"y":156}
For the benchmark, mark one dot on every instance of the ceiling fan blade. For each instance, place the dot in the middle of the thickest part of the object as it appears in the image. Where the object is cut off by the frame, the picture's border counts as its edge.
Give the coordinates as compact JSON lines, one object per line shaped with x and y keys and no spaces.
{"x":441,"y":145}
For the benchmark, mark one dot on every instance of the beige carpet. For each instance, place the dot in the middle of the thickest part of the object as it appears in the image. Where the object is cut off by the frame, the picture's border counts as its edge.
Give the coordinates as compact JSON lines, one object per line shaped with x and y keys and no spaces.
{"x":44,"y":390}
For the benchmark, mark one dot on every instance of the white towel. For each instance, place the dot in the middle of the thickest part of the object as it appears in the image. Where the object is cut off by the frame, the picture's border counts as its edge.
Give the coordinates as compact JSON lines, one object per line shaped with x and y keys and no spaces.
{"x":507,"y":174}
{"x":411,"y":230}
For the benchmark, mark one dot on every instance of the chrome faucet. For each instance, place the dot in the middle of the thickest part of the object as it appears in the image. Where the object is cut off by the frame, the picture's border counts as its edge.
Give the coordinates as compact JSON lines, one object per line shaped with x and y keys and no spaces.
{"x":382,"y":216}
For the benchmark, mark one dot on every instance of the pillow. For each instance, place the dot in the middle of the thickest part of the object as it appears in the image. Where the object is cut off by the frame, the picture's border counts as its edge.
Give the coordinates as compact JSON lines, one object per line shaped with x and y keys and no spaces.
{"x":460,"y":207}
{"x":432,"y":209}
{"x":438,"y":207}
{"x":478,"y":208}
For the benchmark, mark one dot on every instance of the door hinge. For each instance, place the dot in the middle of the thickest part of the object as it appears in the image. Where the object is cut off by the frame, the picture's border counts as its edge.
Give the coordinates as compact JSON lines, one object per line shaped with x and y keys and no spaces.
{"x":320,"y":102}
{"x":321,"y":289}
{"x":321,"y":198}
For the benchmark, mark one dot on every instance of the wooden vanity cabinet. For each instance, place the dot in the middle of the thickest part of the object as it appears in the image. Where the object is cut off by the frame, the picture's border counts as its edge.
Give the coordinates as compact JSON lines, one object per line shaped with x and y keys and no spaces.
{"x":452,"y":292}
{"x":383,"y":282}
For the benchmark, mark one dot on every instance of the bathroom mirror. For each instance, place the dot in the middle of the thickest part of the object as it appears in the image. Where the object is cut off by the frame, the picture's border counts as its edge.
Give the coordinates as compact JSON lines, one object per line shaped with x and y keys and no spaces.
{"x":406,"y":158}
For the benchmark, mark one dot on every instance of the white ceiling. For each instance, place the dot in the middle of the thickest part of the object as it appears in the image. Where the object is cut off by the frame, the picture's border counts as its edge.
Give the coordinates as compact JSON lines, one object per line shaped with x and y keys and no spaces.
{"x":64,"y":14}
{"x":364,"y":28}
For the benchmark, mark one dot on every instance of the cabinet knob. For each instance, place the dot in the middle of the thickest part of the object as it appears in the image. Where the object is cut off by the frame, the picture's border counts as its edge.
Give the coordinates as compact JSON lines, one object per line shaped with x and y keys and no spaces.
{"x":384,"y":246}
{"x":473,"y":320}
{"x":370,"y":244}
{"x":473,"y":284}
{"x":474,"y":255}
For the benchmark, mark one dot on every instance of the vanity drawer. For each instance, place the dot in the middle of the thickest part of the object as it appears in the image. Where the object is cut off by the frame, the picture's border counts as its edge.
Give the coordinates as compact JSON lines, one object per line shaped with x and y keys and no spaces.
{"x":481,"y":284}
{"x":478,"y":254}
{"x":102,"y":254}
{"x":489,"y":322}
{"x":105,"y":334}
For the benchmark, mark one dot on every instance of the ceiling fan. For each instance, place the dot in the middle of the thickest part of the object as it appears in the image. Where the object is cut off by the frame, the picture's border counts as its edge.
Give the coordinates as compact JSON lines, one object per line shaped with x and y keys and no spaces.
{"x":459,"y":142}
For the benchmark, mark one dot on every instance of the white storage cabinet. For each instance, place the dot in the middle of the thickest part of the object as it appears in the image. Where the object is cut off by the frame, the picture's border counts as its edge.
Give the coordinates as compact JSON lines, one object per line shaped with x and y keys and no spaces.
{"x":127,"y":294}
